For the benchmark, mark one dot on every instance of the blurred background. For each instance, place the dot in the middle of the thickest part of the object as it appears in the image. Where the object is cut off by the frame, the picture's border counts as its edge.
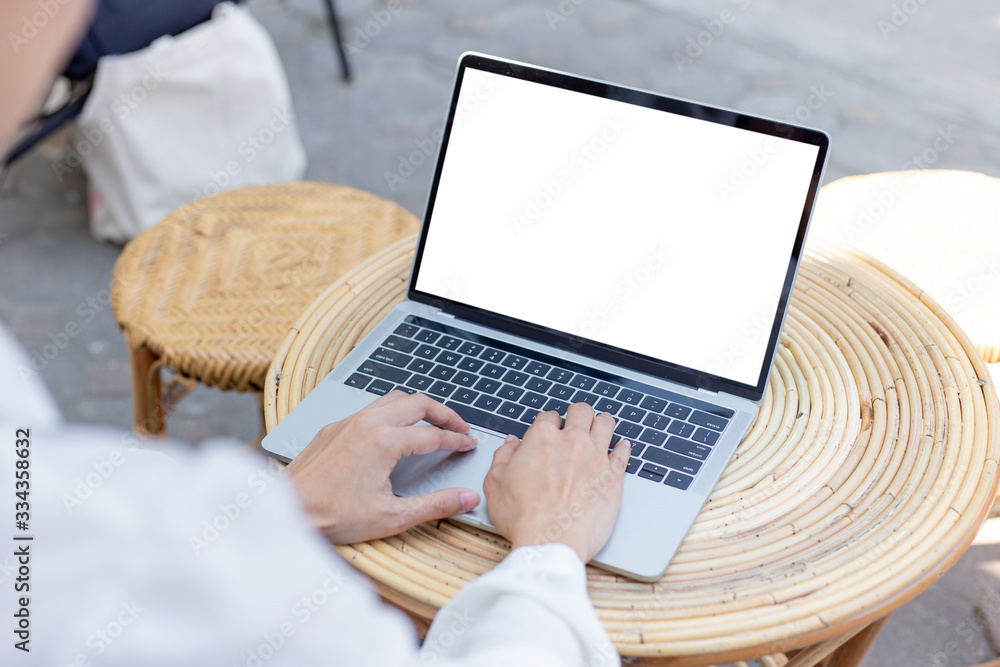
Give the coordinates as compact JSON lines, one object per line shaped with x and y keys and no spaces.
{"x":884,"y":78}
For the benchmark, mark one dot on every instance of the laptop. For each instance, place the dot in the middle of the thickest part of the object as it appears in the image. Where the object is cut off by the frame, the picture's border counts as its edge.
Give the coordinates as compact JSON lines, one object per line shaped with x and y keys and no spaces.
{"x":585,"y":241}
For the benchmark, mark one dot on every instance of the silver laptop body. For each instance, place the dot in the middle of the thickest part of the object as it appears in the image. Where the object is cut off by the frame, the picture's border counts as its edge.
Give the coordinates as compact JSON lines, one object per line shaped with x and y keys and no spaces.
{"x":588,"y":241}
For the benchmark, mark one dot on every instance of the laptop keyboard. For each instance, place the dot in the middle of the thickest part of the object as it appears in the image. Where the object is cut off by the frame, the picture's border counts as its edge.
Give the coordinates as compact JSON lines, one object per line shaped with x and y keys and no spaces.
{"x":502,"y":387}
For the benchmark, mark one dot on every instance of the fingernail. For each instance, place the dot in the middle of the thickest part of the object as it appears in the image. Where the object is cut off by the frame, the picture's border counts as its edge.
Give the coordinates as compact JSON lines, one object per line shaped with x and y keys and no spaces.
{"x":469,"y":499}
{"x":509,"y":439}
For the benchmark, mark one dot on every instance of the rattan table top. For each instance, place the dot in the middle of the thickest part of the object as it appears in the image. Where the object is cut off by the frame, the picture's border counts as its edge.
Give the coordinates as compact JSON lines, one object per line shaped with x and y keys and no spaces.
{"x":868,"y":471}
{"x":213,"y":288}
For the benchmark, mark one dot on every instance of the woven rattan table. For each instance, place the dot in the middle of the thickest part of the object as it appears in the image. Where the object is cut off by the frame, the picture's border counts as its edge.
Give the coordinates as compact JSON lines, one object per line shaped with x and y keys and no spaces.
{"x":869,"y":469}
{"x":211,"y":290}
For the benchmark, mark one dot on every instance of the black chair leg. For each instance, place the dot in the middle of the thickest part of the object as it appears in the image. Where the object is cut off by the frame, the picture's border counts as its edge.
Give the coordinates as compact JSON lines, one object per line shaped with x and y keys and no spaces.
{"x":338,"y":41}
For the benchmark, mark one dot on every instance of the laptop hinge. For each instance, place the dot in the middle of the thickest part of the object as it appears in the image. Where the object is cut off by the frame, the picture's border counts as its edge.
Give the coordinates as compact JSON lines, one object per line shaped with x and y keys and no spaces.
{"x":442,"y":313}
{"x":702,"y":390}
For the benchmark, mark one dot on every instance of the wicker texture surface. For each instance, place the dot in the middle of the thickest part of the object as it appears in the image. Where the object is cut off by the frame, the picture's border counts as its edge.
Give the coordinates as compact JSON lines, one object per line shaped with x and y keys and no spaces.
{"x":870,"y":467}
{"x":213,"y":288}
{"x":939,"y":228}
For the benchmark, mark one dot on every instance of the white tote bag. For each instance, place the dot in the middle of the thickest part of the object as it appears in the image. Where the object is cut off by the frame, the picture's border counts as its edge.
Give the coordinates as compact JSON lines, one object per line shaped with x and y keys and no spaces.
{"x":186,"y":117}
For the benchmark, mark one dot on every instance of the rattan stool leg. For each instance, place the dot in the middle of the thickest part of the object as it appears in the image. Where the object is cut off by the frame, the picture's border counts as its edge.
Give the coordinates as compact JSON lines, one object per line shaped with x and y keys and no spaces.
{"x":146,"y":395}
{"x":851,"y":653}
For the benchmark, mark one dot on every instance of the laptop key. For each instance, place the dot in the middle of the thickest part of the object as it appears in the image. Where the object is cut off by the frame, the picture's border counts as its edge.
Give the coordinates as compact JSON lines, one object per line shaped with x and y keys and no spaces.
{"x":488,"y":402}
{"x":628,"y":430}
{"x":401,"y":344}
{"x":407,"y":390}
{"x":653,"y":404}
{"x":490,"y":420}
{"x":708,"y":421}
{"x":442,"y":389}
{"x":677,"y":411}
{"x":631,"y":413}
{"x":512,"y":410}
{"x":357,"y":380}
{"x":383,"y":371}
{"x":630,"y":397}
{"x":659,"y":422}
{"x":606,"y":389}
{"x":556,"y":405}
{"x":487,"y":385}
{"x":426,"y":352}
{"x":538,"y":384}
{"x":464,"y":379}
{"x":440,"y":372}
{"x":687,"y":448}
{"x":559,"y":375}
{"x":464,"y":395}
{"x":472,"y":349}
{"x":471,"y":364}
{"x":529,"y":417}
{"x":493,"y":371}
{"x":682,"y":429}
{"x":633,"y":465}
{"x":420,"y":365}
{"x":406,"y":330}
{"x":678,"y":480}
{"x":585,"y":397}
{"x":450,"y":358}
{"x":491,"y":355}
{"x":450,"y":342}
{"x":537,"y":368}
{"x":427,"y":336}
{"x":671,"y":460}
{"x":653,"y":437}
{"x":515,"y":377}
{"x":580,"y":381}
{"x":533,"y":400}
{"x":380,"y":387}
{"x":704,"y":436}
{"x":607,"y":405}
{"x":515,"y":362}
{"x":653,"y":472}
{"x":394,"y":357}
{"x":420,"y":382}
{"x":510,"y":392}
{"x":561,"y":392}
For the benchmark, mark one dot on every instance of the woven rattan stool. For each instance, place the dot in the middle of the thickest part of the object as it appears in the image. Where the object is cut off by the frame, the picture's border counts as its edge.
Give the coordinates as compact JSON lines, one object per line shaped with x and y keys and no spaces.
{"x":939,"y":228}
{"x":211,"y":290}
{"x":867,"y":473}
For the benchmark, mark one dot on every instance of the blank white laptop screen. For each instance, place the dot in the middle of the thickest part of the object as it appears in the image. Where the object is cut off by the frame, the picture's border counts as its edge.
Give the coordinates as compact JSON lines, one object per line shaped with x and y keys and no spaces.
{"x":644,"y":230}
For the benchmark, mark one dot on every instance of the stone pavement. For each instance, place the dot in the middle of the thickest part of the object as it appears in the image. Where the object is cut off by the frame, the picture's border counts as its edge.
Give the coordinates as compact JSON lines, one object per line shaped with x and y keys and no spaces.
{"x":886,"y":79}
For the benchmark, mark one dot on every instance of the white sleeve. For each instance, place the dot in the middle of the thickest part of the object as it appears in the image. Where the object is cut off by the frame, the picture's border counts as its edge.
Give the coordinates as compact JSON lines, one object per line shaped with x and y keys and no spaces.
{"x":205,"y":557}
{"x":532,"y":609}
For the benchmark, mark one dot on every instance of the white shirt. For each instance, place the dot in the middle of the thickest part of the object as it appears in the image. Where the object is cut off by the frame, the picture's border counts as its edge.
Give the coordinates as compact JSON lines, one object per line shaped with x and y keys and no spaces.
{"x":177,"y":556}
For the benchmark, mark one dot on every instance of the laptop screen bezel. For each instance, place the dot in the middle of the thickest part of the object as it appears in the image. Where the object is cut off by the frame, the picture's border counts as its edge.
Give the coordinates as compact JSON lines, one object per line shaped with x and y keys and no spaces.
{"x":589,"y":348}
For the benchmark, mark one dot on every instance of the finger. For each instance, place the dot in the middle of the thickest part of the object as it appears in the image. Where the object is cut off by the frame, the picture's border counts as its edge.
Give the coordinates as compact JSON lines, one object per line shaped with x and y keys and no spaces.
{"x":505,"y":451}
{"x":437,"y":505}
{"x":620,"y":455}
{"x":409,"y":440}
{"x":601,"y":429}
{"x":412,"y":408}
{"x":579,"y":415}
{"x":548,"y":417}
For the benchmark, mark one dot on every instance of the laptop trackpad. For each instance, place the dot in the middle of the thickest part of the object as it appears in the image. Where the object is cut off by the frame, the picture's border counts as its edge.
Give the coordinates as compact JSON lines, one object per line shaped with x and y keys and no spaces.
{"x":420,"y":475}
